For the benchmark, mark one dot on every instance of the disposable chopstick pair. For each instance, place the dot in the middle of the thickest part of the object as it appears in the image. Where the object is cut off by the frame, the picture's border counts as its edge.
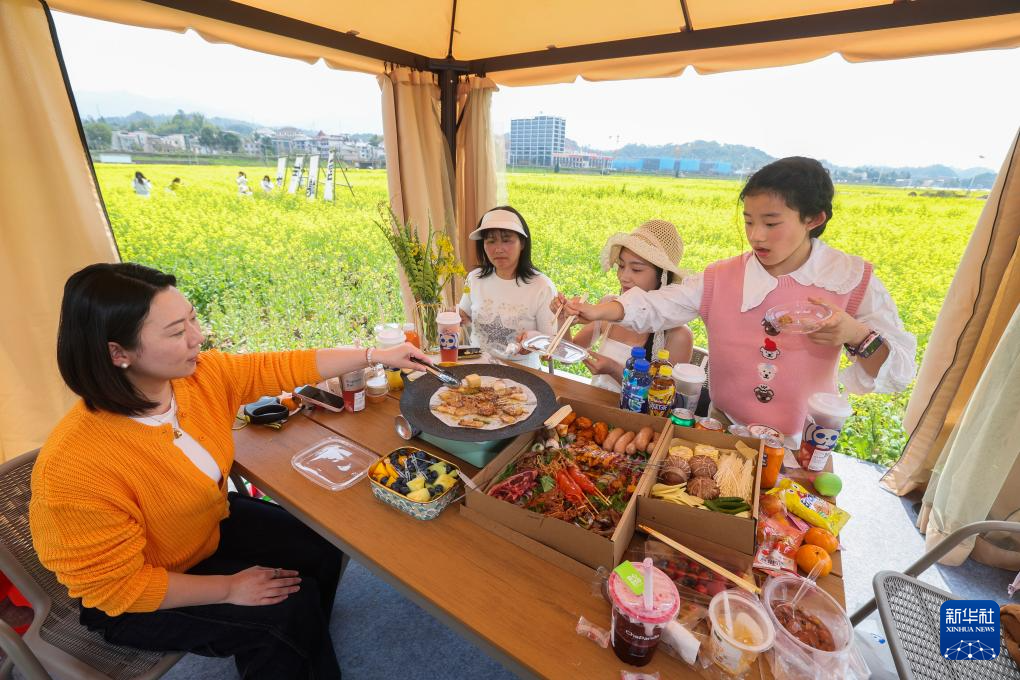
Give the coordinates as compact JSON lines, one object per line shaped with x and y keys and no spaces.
{"x":602,"y":337}
{"x":567,"y":323}
{"x":701,"y":559}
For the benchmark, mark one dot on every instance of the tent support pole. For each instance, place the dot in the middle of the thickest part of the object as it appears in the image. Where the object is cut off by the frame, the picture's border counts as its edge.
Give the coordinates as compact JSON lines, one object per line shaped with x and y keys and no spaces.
{"x":448,"y":108}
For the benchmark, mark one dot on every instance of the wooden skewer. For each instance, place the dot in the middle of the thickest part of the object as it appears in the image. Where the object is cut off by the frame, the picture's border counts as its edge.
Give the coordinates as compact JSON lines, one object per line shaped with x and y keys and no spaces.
{"x":704,"y":561}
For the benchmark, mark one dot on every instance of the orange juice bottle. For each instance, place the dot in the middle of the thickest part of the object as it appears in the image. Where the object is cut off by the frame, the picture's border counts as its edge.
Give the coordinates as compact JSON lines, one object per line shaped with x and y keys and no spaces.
{"x":774,"y":453}
{"x":411,"y":335}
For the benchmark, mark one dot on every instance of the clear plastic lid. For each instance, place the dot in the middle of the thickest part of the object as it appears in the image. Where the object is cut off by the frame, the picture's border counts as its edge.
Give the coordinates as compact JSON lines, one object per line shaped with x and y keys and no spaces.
{"x":334,"y":462}
{"x":797,"y":317}
{"x":565,"y":352}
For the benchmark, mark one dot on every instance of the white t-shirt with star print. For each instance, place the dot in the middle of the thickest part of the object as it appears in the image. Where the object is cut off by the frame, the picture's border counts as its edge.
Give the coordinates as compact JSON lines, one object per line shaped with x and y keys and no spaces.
{"x":500,"y":309}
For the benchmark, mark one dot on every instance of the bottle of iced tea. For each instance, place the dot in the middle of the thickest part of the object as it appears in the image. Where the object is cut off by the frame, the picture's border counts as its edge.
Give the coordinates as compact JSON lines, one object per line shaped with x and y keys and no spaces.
{"x":661,"y":391}
{"x":661,"y":359}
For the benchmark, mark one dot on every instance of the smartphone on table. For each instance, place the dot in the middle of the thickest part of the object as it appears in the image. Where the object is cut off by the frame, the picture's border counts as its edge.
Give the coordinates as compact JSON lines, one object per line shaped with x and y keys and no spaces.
{"x":327,"y":400}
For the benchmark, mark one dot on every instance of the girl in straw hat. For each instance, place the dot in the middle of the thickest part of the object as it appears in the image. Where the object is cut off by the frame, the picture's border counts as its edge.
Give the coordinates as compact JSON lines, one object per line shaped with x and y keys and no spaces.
{"x":761,"y":374}
{"x":506,"y":298}
{"x":646,"y":259}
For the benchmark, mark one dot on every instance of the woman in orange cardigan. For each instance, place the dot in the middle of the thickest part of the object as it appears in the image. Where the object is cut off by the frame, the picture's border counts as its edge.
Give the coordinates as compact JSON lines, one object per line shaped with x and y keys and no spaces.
{"x":129,"y":494}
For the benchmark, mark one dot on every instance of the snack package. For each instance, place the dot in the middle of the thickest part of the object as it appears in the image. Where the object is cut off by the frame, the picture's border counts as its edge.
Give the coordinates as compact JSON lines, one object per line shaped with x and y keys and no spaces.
{"x":813,"y":509}
{"x":630,"y":675}
{"x":778,"y":540}
{"x":599,"y":636}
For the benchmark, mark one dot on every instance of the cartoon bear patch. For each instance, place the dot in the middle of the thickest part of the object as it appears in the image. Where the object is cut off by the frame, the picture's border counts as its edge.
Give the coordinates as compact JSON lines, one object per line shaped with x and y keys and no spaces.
{"x":767,"y":371}
{"x":769,"y":349}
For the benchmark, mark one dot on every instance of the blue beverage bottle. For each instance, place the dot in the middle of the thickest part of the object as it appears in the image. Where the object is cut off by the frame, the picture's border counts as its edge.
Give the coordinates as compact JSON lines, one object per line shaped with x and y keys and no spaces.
{"x":635,"y":354}
{"x":637,"y":387}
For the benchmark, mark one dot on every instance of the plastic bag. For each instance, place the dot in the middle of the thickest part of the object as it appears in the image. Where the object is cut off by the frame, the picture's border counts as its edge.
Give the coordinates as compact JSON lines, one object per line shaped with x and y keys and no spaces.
{"x":790,"y":662}
{"x":694,"y":582}
{"x":778,"y":541}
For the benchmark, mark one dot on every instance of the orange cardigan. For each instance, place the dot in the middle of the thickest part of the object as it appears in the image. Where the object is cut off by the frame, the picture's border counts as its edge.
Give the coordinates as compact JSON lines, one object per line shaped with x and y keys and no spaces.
{"x":115,"y":505}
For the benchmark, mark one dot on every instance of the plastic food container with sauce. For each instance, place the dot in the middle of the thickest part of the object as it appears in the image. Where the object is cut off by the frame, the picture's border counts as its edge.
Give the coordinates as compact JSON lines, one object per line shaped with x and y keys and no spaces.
{"x":792,"y":657}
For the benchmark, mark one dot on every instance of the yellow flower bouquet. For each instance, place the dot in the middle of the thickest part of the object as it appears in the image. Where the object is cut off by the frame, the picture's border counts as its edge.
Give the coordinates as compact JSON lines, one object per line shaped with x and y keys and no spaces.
{"x":429,"y":267}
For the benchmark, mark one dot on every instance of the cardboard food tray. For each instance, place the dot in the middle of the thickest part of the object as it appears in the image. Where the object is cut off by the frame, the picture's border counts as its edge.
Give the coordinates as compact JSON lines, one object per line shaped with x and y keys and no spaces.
{"x":574,"y":543}
{"x":737,"y":533}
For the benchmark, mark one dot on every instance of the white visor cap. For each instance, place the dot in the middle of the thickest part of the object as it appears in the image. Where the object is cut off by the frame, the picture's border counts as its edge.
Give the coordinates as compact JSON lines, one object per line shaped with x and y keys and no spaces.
{"x":498,"y":219}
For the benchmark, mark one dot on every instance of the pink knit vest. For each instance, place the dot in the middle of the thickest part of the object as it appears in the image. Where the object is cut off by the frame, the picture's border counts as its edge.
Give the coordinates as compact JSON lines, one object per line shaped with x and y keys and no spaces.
{"x":748,"y":380}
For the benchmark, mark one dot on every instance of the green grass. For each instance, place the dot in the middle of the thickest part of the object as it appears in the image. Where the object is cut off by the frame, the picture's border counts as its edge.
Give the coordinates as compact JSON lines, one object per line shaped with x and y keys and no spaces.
{"x":278,"y":272}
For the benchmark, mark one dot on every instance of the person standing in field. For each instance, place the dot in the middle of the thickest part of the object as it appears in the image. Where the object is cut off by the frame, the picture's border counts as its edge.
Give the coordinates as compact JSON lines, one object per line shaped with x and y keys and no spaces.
{"x":242,"y":184}
{"x":130,"y":508}
{"x":141,"y":185}
{"x":267,"y":184}
{"x":758,"y":375}
{"x":506,"y":298}
{"x":646,"y":259}
{"x":174,"y":185}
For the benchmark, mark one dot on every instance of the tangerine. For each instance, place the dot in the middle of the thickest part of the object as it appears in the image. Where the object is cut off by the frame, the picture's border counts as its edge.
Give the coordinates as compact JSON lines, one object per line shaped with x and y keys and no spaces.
{"x":822,"y":538}
{"x":809,"y":555}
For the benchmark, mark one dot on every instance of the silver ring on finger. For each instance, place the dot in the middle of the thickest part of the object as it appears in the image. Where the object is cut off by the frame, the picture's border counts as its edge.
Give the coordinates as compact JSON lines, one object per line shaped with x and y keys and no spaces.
{"x":276,"y":573}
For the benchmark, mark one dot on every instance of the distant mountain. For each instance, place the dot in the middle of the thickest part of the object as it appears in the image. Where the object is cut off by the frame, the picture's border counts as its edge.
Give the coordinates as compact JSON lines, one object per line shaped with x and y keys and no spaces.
{"x":714,"y":152}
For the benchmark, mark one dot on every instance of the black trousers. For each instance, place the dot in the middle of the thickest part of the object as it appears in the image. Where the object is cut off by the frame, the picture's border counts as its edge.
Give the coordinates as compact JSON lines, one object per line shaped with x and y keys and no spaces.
{"x":275,"y":642}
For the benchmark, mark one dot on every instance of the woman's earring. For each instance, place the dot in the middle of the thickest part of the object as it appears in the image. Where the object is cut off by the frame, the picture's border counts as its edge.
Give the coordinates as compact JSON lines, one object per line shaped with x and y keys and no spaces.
{"x":124,"y":365}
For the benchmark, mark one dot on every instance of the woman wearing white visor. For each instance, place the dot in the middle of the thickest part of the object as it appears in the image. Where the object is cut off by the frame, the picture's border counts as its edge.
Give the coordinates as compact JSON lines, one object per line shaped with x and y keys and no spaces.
{"x":506,"y":298}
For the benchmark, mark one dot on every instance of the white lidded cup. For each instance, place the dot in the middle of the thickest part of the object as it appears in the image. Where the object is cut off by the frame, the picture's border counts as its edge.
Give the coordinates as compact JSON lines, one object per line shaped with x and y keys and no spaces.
{"x":826,"y":414}
{"x":741,"y":630}
{"x":688,"y":379}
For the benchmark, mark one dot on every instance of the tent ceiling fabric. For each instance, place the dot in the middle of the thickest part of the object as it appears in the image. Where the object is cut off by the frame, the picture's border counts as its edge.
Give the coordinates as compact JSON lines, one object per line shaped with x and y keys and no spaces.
{"x":492,"y":37}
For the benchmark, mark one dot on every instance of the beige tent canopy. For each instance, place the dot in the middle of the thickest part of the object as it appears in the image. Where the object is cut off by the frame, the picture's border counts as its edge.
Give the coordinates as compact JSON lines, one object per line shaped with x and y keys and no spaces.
{"x":438,"y":62}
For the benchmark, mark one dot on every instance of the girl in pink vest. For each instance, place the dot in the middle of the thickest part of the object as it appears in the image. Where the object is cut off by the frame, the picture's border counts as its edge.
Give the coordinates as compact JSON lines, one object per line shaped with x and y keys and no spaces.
{"x":758,"y":376}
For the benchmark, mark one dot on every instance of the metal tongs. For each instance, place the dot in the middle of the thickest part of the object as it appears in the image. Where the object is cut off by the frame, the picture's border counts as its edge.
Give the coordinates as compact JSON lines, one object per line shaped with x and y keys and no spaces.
{"x":444,"y":377}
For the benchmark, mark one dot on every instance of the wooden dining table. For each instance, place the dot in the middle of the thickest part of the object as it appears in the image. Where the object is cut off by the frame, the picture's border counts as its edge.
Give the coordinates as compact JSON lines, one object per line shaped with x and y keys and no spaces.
{"x":518,"y":607}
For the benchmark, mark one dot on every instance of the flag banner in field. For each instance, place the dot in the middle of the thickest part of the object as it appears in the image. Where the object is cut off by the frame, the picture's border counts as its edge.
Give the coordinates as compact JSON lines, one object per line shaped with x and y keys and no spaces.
{"x":327,"y":192}
{"x":969,"y":630}
{"x":281,"y":170}
{"x":313,"y":177}
{"x":295,"y":175}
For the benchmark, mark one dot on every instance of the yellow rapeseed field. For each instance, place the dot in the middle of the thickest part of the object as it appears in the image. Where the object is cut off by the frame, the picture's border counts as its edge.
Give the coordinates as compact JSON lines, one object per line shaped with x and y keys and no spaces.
{"x":278,"y":271}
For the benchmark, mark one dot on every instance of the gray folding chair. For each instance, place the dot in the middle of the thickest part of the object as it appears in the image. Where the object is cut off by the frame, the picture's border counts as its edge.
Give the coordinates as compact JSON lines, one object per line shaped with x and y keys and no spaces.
{"x":55,"y":645}
{"x":910,"y":612}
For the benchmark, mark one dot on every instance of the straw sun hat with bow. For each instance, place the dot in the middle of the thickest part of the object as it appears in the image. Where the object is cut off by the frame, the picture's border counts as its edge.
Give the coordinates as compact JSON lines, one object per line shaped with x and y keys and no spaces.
{"x":657,"y":241}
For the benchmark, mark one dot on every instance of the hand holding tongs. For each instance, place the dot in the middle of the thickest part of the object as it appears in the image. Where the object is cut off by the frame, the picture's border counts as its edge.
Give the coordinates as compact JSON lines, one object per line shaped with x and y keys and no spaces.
{"x":444,"y":377}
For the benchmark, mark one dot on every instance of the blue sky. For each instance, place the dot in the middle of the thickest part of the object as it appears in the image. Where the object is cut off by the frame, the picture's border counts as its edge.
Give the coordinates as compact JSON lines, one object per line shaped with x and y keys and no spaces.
{"x":950,"y":109}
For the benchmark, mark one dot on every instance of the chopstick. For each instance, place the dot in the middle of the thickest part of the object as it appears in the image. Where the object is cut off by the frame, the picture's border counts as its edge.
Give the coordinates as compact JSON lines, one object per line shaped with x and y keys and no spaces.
{"x":567,"y":323}
{"x":602,"y":336}
{"x":704,"y":561}
{"x":556,"y":418}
